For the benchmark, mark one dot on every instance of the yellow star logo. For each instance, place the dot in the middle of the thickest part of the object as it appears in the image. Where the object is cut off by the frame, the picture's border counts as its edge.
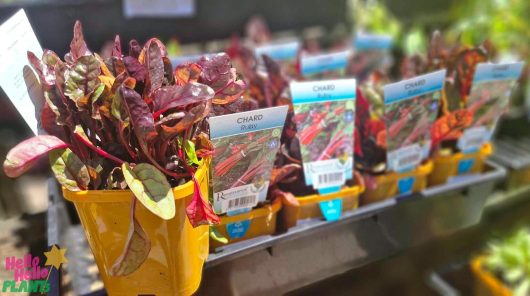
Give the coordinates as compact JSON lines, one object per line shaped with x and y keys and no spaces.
{"x":55,"y":257}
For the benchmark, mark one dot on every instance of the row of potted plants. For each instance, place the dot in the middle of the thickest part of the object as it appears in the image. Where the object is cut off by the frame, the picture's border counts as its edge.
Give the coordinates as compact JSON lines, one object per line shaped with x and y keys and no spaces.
{"x":128,"y":138}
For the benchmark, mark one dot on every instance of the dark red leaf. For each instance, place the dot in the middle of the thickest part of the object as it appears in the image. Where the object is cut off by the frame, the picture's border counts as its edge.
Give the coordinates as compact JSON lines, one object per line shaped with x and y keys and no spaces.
{"x":135,"y":68}
{"x":140,"y":115}
{"x":116,"y":50}
{"x":177,"y":96}
{"x":78,"y":47}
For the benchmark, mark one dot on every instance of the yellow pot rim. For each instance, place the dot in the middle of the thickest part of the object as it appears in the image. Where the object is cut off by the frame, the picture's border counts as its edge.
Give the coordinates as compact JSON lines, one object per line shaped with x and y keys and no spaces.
{"x":485,"y":150}
{"x":487,"y":277}
{"x":265,"y":211}
{"x":345,"y":192}
{"x":179,"y":192}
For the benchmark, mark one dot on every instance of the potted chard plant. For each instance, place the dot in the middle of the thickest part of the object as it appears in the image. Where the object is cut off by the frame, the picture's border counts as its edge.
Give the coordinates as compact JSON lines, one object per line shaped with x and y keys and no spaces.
{"x":504,"y":269}
{"x":128,"y":141}
{"x":270,"y":87}
{"x":460,"y":61}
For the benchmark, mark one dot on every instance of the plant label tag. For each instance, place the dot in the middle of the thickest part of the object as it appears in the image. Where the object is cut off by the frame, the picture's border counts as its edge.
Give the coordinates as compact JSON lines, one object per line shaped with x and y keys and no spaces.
{"x":17,"y":79}
{"x":411,"y":107}
{"x":331,"y":209}
{"x":324,"y":117}
{"x":370,"y":42}
{"x":488,"y":99}
{"x":158,"y":8}
{"x":279,"y":51}
{"x":245,"y":147}
{"x":333,"y":63}
{"x":371,"y":52}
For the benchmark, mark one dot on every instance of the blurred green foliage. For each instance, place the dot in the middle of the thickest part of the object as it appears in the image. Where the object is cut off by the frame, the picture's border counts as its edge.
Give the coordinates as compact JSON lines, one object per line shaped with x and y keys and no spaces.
{"x":510,"y":258}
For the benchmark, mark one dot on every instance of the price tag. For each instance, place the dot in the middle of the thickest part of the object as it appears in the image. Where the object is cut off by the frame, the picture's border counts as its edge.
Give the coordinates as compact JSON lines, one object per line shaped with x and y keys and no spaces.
{"x":17,"y":79}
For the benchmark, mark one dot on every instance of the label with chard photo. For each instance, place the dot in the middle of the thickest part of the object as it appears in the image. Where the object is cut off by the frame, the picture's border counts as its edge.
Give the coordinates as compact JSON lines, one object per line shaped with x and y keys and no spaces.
{"x":324,"y":117}
{"x":487,"y":101}
{"x":328,"y":66}
{"x":411,"y":107}
{"x":245,"y":146}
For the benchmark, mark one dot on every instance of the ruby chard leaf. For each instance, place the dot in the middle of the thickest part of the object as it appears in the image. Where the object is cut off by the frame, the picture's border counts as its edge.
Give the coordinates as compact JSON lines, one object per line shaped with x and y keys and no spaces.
{"x":177,"y":96}
{"x":151,"y":188}
{"x":139,"y":114}
{"x":82,"y":79}
{"x":151,"y":57}
{"x":78,"y":47}
{"x":69,"y":169}
{"x":136,"y":250}
{"x":23,"y":156}
{"x":193,"y":116}
{"x":199,"y":211}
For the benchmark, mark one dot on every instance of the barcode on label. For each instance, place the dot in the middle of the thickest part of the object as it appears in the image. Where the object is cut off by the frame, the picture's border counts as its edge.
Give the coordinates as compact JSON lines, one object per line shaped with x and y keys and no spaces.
{"x":242,"y":203}
{"x":328,"y":179}
{"x":412,"y":159}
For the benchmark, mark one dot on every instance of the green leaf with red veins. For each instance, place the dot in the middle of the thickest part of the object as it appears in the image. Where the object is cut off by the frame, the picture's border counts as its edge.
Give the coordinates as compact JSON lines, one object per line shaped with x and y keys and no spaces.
{"x":94,"y":98}
{"x":151,"y":188}
{"x":69,"y":169}
{"x":139,"y":114}
{"x":23,"y":156}
{"x":46,"y":76}
{"x":82,"y":79}
{"x":192,"y":116}
{"x":179,"y":96}
{"x":135,"y":251}
{"x":78,"y":47}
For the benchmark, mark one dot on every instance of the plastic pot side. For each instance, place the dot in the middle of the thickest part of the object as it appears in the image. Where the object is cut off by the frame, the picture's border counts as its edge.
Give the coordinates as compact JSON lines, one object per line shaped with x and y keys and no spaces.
{"x":260,"y":221}
{"x":486,"y":284}
{"x":178,"y":251}
{"x":448,"y":166}
{"x":391,"y":184}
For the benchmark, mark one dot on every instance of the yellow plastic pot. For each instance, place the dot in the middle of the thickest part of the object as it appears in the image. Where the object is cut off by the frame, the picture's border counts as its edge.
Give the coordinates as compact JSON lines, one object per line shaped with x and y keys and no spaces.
{"x":260,"y":221}
{"x":447,"y":166}
{"x":486,"y":284}
{"x":307,"y":207}
{"x":385,"y":186}
{"x":178,"y":251}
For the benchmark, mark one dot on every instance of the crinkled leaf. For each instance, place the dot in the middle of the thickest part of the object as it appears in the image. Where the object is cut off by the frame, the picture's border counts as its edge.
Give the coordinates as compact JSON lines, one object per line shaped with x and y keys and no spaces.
{"x":116,"y":50}
{"x":94,"y":98}
{"x":78,"y":47}
{"x":152,"y":59}
{"x":82,"y":79}
{"x":189,"y":147}
{"x":135,"y":251}
{"x":116,"y":180}
{"x":134,"y":48}
{"x":46,"y":76}
{"x":178,"y":96}
{"x":200,"y":212}
{"x":217,"y":236}
{"x":230,"y":93}
{"x":69,"y":170}
{"x":139,"y":114}
{"x":22,"y":157}
{"x":48,"y":122}
{"x":216,"y":71}
{"x":151,"y":188}
{"x":187,"y":73}
{"x":135,"y":68}
{"x":193,"y":116}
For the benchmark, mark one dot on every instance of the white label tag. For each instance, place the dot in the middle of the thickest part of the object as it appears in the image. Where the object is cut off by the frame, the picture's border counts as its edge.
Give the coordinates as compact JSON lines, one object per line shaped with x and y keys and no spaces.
{"x":473,"y":138}
{"x":17,"y":79}
{"x":329,"y":179}
{"x":158,"y":8}
{"x":405,"y":158}
{"x":238,"y":198}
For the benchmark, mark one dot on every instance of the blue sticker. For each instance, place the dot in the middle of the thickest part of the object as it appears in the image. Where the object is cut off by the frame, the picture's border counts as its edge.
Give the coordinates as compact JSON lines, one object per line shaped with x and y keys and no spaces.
{"x":328,"y":190}
{"x":237,"y":212}
{"x":237,"y":229}
{"x":465,"y":165}
{"x":331,"y":209}
{"x":405,"y":185}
